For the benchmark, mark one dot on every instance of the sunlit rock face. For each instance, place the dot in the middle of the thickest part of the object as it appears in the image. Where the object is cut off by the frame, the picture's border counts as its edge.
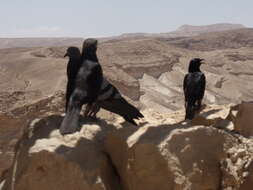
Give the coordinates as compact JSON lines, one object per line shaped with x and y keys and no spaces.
{"x":109,"y":154}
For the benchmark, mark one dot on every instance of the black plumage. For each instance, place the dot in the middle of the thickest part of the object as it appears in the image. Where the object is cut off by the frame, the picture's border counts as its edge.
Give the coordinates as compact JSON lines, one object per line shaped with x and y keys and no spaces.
{"x":110,"y":99}
{"x":194,"y":88}
{"x":87,"y":85}
{"x":73,"y":67}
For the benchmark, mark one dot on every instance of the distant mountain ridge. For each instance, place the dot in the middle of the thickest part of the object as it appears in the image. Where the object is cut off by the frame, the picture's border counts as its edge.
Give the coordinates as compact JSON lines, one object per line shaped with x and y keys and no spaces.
{"x":206,"y":41}
{"x":148,"y":70}
{"x":190,"y":30}
{"x":185,"y":31}
{"x":39,"y":42}
{"x":182,"y":31}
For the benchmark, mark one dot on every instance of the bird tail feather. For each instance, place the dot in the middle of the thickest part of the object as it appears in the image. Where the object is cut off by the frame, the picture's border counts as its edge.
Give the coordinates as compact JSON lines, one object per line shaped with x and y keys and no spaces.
{"x":130,"y":120}
{"x":190,"y":111}
{"x":70,"y":123}
{"x":132,"y":111}
{"x":122,"y":108}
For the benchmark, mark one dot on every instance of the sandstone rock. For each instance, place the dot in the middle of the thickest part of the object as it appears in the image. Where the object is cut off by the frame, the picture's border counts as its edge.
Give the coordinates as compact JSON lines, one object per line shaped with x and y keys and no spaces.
{"x":10,"y":132}
{"x":247,"y":184}
{"x":125,"y":83}
{"x":169,"y":157}
{"x":237,"y":167}
{"x":14,"y":122}
{"x":242,"y":116}
{"x":38,"y":72}
{"x":47,"y":160}
{"x":164,"y":152}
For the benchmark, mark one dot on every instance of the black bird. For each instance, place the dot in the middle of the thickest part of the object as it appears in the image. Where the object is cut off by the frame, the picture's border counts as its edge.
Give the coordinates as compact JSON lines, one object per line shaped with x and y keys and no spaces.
{"x":110,"y":99}
{"x":87,"y":86}
{"x":194,"y":88}
{"x":73,"y":67}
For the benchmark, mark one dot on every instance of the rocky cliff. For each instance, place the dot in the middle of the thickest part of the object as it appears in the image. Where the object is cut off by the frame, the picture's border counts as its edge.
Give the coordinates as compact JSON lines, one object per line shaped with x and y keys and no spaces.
{"x":213,"y":152}
{"x":142,"y":69}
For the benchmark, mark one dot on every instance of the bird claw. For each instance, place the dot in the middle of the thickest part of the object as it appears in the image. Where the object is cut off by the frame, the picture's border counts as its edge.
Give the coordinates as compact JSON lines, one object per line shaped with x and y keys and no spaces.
{"x":93,"y":118}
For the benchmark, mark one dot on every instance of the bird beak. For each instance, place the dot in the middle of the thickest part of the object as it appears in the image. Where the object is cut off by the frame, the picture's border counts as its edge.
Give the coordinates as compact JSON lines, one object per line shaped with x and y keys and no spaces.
{"x":66,"y":54}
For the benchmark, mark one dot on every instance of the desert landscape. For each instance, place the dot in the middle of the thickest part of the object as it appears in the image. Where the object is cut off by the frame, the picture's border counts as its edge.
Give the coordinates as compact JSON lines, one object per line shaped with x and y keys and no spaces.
{"x":213,"y":152}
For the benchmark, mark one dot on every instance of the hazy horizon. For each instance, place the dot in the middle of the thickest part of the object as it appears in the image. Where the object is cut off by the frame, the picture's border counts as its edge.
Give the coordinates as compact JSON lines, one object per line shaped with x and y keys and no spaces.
{"x":81,"y":18}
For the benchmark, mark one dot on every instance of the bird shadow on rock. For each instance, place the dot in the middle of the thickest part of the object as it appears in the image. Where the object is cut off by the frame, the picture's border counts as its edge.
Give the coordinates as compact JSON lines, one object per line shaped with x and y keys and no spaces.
{"x":88,"y":152}
{"x":41,"y":128}
{"x":127,"y":124}
{"x":210,"y":112}
{"x":156,"y":134}
{"x":90,"y":156}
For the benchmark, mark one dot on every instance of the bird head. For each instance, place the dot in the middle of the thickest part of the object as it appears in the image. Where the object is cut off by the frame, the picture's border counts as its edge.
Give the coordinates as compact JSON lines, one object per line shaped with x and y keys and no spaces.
{"x":89,"y":49}
{"x":90,"y":44}
{"x":73,"y":52}
{"x":195,"y":64}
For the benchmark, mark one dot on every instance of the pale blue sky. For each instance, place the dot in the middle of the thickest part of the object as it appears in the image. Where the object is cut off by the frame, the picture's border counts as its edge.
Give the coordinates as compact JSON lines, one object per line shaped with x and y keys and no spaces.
{"x":94,"y":18}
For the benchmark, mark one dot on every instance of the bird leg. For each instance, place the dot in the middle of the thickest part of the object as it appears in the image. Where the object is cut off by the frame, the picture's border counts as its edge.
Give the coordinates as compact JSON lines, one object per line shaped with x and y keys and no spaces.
{"x":87,"y":110}
{"x":91,"y":110}
{"x":198,"y":105}
{"x":94,"y":110}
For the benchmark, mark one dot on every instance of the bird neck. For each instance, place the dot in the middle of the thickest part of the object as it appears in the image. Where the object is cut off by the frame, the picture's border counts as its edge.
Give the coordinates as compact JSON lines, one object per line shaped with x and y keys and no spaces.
{"x":194,"y":70}
{"x":90,"y":56}
{"x":75,"y":59}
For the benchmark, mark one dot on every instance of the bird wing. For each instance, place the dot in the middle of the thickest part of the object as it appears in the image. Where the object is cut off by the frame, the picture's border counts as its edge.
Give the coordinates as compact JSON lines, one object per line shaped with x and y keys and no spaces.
{"x":202,"y":86}
{"x":73,"y":67}
{"x":70,"y":123}
{"x":122,"y":108}
{"x":94,"y":81}
{"x":110,"y":99}
{"x":89,"y":79}
{"x":86,"y":90}
{"x":185,"y":86}
{"x":194,"y":85}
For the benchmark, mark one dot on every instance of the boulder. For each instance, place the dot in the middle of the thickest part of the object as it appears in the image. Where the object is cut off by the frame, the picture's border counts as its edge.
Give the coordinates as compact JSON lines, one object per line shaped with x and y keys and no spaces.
{"x":164,"y":152}
{"x":169,"y":156}
{"x":46,"y":160}
{"x":242,"y":116}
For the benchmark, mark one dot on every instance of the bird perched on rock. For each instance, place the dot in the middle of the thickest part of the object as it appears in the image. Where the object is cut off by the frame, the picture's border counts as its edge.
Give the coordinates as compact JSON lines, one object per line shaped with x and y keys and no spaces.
{"x":73,"y":67}
{"x":110,"y":99}
{"x":87,"y":86}
{"x":194,"y":88}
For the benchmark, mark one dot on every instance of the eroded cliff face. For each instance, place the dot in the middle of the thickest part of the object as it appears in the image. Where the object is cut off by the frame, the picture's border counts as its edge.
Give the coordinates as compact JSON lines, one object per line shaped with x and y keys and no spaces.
{"x":164,"y":152}
{"x":143,"y":69}
{"x":214,"y":151}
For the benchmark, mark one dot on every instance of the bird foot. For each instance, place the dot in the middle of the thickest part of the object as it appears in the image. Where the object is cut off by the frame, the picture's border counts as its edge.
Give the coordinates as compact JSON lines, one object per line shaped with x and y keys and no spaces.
{"x":92,"y":117}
